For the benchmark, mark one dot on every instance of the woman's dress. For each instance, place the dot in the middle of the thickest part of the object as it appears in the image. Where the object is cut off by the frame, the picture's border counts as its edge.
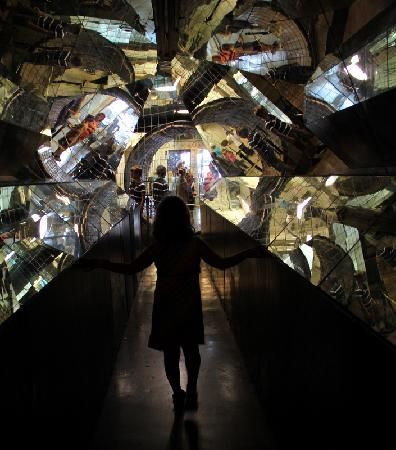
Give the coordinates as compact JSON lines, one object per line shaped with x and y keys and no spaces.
{"x":177,"y":310}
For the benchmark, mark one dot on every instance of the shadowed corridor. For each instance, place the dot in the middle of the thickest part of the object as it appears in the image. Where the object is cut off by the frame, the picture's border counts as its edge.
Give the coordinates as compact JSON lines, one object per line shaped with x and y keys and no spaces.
{"x":137,"y":412}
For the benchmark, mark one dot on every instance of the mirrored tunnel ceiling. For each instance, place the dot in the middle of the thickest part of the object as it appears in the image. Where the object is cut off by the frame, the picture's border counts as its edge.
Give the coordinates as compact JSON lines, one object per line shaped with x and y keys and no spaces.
{"x":254,"y":78}
{"x":284,"y":105}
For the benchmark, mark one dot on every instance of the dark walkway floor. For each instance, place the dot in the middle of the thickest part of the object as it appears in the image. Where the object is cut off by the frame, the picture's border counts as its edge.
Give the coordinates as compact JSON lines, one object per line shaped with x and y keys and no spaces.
{"x":138,"y":412}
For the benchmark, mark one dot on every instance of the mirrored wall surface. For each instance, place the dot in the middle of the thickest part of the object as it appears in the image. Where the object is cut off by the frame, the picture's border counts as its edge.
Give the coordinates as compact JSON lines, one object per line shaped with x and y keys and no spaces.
{"x":44,"y":228}
{"x":337,"y":232}
{"x":259,"y":41}
{"x":365,"y":74}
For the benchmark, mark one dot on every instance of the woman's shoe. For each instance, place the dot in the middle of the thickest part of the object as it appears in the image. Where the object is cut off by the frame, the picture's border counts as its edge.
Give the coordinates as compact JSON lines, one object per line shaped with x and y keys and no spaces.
{"x":178,"y":401}
{"x":191,"y":401}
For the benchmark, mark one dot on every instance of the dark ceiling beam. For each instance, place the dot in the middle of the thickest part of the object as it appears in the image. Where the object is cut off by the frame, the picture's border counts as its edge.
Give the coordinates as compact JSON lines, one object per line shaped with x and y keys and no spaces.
{"x":369,"y":32}
{"x":201,"y":83}
{"x":272,"y":93}
{"x":362,"y":136}
{"x":120,"y":10}
{"x":336,"y":30}
{"x":23,"y":165}
{"x":166,"y":19}
{"x":310,"y":8}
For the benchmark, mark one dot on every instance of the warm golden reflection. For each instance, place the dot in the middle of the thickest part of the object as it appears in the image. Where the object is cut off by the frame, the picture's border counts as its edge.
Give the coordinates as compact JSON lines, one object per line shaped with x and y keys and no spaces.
{"x":44,"y":228}
{"x":325,"y":228}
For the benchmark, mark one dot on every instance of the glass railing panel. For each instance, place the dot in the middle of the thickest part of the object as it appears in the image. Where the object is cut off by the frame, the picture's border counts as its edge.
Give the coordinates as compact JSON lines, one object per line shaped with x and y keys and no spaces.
{"x":363,"y":75}
{"x":45,"y":227}
{"x":22,"y":108}
{"x":337,"y":232}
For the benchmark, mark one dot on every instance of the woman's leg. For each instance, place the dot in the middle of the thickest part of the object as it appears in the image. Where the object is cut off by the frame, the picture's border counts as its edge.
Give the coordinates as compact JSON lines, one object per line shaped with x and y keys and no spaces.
{"x":192,"y":359}
{"x":171,"y":362}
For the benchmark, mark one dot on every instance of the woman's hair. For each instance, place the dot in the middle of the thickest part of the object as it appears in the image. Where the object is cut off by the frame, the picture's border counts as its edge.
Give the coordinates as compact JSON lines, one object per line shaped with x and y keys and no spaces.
{"x":172,"y":220}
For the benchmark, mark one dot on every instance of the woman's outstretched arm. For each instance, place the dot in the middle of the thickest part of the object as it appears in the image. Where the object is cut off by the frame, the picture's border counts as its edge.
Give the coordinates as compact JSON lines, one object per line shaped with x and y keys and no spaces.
{"x":144,"y":260}
{"x":213,"y":259}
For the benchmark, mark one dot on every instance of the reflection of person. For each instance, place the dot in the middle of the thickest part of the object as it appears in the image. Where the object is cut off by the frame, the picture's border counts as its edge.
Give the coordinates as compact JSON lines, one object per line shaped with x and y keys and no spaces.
{"x":78,"y":133}
{"x":180,"y":165}
{"x":68,"y":113}
{"x":288,"y":131}
{"x":137,"y":189}
{"x":264,"y":148}
{"x":226,"y":152}
{"x":177,"y":319}
{"x":140,"y":90}
{"x":226,"y":167}
{"x":230,"y":25}
{"x":5,"y":284}
{"x":211,"y":177}
{"x":191,"y":189}
{"x":182,"y":185}
{"x":160,"y":186}
{"x":240,"y":141}
{"x":231,"y":52}
{"x":216,"y":149}
{"x":295,"y":134}
{"x":208,"y":181}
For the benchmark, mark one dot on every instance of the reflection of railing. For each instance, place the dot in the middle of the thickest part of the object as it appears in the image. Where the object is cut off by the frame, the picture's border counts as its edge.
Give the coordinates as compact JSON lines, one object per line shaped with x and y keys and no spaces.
{"x":328,"y":229}
{"x":38,"y":244}
{"x":367,"y":73}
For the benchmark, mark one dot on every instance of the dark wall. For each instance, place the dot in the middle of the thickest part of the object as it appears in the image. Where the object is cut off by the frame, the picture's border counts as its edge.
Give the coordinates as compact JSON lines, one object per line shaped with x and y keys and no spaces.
{"x":58,"y":350}
{"x":323,"y":377}
{"x":362,"y":135}
{"x":18,"y":153}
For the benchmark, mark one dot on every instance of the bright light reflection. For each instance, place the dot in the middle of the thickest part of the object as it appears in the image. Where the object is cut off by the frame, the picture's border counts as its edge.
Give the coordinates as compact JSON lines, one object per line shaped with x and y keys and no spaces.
{"x":168,"y":88}
{"x":244,"y":204}
{"x":9,"y":256}
{"x":356,"y":71}
{"x":63,"y":199}
{"x":301,"y":206}
{"x":43,"y":226}
{"x":331,"y":180}
{"x":46,"y":132}
{"x":165,"y":88}
{"x":35,"y":217}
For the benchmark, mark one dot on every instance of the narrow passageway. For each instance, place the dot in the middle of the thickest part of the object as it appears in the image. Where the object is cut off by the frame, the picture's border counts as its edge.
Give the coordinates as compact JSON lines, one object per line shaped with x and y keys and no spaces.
{"x":138,"y":410}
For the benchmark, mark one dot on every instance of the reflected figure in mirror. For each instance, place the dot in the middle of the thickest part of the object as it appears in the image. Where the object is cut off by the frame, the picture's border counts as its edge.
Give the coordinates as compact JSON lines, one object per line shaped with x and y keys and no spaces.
{"x":137,"y":188}
{"x":78,"y":133}
{"x":160,"y":186}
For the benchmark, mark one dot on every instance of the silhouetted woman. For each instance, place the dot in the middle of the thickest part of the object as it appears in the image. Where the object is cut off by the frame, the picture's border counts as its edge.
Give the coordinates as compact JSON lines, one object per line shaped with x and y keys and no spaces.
{"x":177,"y":312}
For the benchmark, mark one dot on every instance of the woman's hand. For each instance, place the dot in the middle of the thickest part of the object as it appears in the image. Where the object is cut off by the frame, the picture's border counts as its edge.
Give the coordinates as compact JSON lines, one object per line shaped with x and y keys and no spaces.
{"x":90,"y":264}
{"x":86,"y":264}
{"x":257,"y":252}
